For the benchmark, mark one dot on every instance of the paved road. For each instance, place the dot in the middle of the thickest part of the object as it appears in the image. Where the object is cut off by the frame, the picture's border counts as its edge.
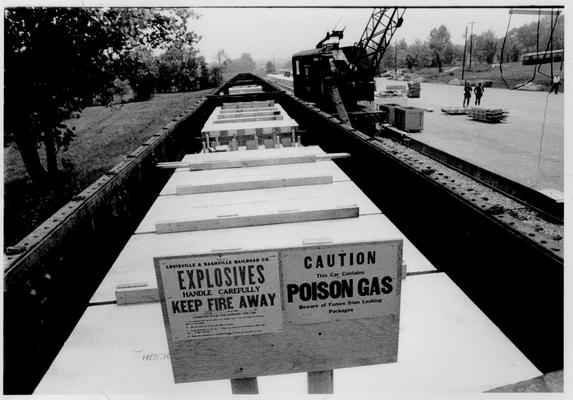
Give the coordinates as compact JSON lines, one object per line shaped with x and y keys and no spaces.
{"x":524,"y":148}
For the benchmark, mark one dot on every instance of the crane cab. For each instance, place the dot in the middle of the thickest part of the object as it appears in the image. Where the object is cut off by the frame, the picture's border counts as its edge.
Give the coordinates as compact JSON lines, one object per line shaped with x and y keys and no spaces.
{"x":307,"y":76}
{"x":350,"y":69}
{"x":312,"y":68}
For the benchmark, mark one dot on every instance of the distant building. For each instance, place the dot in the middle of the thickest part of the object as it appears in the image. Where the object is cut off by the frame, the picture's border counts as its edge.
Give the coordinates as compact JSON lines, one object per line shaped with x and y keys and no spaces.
{"x":542,"y":57}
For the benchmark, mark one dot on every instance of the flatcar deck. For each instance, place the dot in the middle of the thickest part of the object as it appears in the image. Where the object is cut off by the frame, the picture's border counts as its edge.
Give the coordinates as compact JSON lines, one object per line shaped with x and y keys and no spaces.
{"x":446,"y":342}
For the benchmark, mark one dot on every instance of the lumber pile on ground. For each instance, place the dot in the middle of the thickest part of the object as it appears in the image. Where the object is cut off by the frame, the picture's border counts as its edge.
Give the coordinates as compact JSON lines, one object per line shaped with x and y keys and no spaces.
{"x":455,"y":110}
{"x":487,"y":114}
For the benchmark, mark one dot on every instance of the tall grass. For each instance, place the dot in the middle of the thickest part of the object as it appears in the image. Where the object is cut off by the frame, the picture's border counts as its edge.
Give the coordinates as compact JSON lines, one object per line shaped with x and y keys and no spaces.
{"x":104,"y":136}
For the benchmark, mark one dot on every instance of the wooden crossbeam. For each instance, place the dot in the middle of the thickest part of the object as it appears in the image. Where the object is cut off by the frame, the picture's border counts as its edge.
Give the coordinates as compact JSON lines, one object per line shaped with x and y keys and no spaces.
{"x":135,"y":293}
{"x":241,"y":90}
{"x":240,"y":110}
{"x":246,"y":114}
{"x":249,"y":119}
{"x":254,"y":184}
{"x":254,"y":162}
{"x":248,"y":104}
{"x":245,"y":91}
{"x":236,"y":220}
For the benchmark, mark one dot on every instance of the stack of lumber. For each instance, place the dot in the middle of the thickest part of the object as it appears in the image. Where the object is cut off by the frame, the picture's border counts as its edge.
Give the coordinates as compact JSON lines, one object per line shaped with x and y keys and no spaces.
{"x":414,"y":89}
{"x":235,"y":126}
{"x":454,"y":110}
{"x":245,"y":89}
{"x":487,"y":114}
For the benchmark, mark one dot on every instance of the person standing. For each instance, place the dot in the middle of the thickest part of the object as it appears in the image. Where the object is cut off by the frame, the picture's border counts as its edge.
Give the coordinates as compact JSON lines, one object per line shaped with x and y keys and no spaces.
{"x":555,"y":82}
{"x":467,"y":94}
{"x":479,"y":93}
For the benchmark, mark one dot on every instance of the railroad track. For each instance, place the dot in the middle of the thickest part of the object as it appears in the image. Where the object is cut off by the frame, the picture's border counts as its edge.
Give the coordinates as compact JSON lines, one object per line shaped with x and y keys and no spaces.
{"x":281,"y":84}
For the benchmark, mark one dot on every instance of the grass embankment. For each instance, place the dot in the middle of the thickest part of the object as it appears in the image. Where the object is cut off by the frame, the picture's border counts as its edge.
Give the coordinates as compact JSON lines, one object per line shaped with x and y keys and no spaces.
{"x":514,"y":73}
{"x":104,"y":136}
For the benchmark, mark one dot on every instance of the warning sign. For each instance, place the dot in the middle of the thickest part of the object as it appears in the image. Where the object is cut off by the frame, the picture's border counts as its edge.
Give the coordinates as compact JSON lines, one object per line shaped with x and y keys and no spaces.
{"x":341,"y":282}
{"x":208,"y":296}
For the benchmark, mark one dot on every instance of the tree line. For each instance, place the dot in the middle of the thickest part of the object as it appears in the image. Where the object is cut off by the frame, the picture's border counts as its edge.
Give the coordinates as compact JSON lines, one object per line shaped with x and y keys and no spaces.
{"x":438,"y":49}
{"x":60,"y":60}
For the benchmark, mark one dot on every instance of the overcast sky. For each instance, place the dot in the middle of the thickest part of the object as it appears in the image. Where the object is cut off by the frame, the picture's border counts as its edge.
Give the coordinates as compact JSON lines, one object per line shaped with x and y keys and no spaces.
{"x":263,"y":32}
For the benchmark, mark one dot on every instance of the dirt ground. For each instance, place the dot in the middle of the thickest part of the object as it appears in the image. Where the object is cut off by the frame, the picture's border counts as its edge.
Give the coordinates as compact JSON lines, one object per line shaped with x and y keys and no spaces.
{"x":528,"y":147}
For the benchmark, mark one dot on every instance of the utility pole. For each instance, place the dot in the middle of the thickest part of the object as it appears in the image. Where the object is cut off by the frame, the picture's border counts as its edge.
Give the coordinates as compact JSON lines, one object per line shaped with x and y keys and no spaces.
{"x":551,"y":44}
{"x":465,"y":44}
{"x":395,"y":58}
{"x":471,"y":42}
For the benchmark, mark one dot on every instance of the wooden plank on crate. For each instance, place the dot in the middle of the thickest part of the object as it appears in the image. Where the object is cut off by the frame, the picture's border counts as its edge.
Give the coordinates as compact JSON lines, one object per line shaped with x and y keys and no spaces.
{"x":320,"y":382}
{"x":248,"y":104}
{"x":236,"y":220}
{"x":241,"y":155}
{"x":244,"y":386}
{"x":206,"y":177}
{"x":257,"y":201}
{"x":245,"y":91}
{"x":244,"y":87}
{"x":248,"y":114}
{"x":253,"y":162}
{"x":134,"y":293}
{"x":248,"y":107}
{"x":134,"y":263}
{"x":246,"y":110}
{"x":254,"y":184}
{"x":223,"y":164}
{"x":244,"y":119}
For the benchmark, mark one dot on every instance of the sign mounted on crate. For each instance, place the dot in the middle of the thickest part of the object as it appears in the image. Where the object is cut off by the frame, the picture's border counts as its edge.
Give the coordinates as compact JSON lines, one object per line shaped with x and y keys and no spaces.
{"x":242,"y":314}
{"x":345,"y":282}
{"x":212,"y":296}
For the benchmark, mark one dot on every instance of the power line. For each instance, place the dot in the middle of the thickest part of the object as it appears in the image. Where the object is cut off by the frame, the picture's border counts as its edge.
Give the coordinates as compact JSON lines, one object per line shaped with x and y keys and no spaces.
{"x":503,"y":48}
{"x":550,"y":43}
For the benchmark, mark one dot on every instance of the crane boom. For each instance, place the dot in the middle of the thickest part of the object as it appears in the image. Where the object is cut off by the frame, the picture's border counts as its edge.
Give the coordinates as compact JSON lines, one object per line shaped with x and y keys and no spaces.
{"x":339,"y":77}
{"x":377,"y":35}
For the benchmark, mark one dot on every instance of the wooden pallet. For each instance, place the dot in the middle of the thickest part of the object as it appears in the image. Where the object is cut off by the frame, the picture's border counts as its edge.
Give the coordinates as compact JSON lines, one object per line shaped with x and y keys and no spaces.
{"x":455,"y":110}
{"x":492,"y":115}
